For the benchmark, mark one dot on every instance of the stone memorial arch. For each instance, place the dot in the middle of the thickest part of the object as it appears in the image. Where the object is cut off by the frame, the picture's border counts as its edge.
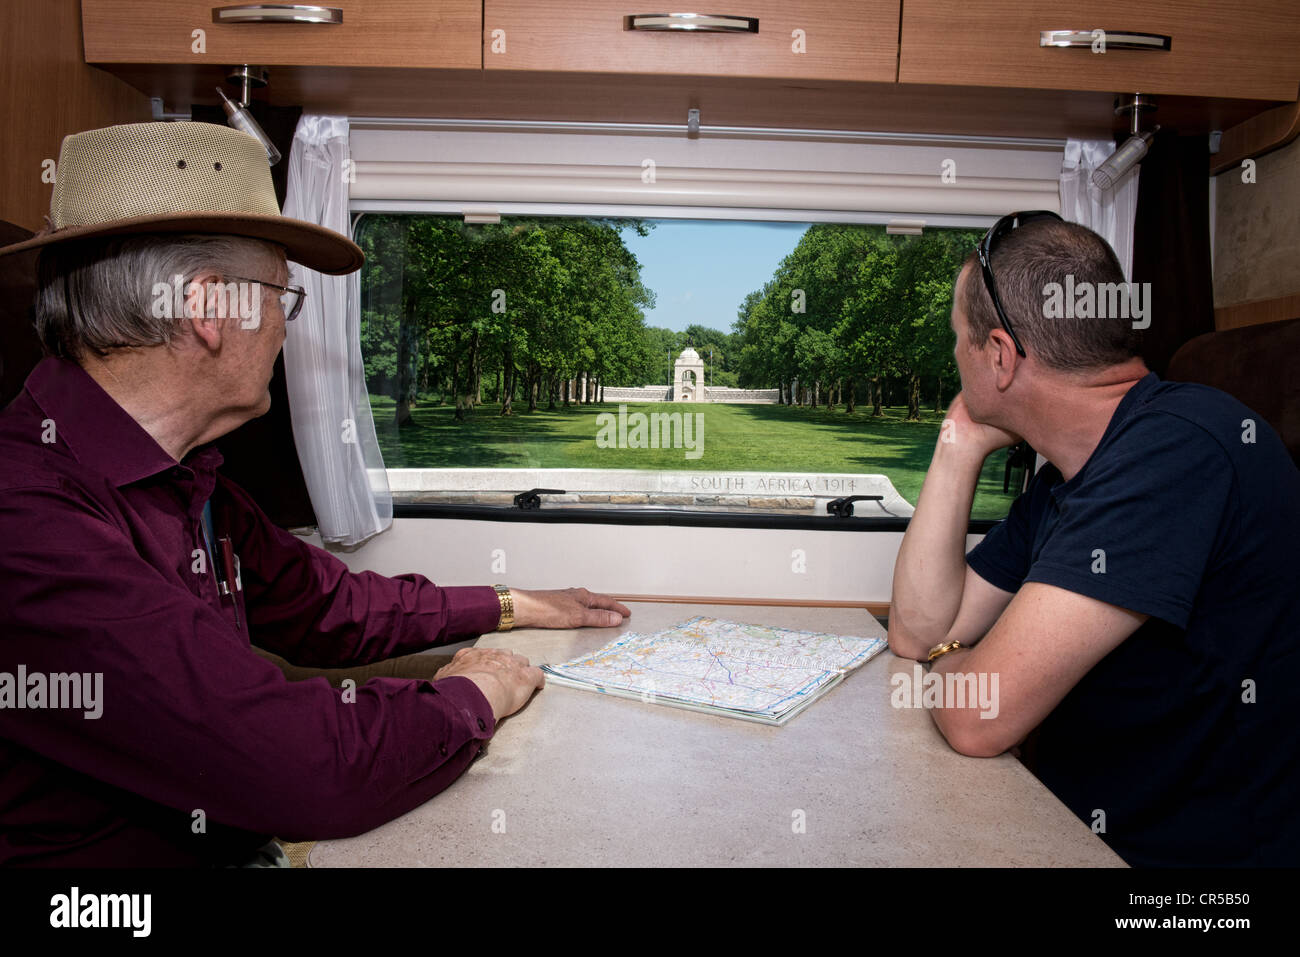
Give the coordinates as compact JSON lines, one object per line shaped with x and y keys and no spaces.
{"x":688,"y":377}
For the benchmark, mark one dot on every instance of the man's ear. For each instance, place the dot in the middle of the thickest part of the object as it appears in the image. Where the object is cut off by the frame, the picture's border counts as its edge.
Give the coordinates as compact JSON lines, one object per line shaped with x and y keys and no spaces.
{"x":1003,"y":357}
{"x":202,"y":294}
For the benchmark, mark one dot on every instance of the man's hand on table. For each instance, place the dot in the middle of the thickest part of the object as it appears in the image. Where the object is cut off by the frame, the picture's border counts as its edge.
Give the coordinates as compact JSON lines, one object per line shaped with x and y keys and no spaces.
{"x":566,"y":608}
{"x":505,"y":678}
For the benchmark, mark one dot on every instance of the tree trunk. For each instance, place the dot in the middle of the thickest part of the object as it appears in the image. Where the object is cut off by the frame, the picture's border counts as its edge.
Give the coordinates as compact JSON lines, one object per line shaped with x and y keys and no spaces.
{"x":914,"y":398}
{"x":472,"y":381}
{"x":876,"y":389}
{"x":405,"y":385}
{"x":459,"y":414}
{"x":506,"y":392}
{"x":851,"y":397}
{"x":938,"y":395}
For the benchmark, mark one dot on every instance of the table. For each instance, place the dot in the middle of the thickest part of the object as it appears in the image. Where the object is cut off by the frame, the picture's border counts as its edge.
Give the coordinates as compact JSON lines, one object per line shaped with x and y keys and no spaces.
{"x":583,"y":779}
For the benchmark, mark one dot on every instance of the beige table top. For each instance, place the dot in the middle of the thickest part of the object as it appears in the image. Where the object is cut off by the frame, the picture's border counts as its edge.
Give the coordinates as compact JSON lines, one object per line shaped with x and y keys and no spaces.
{"x":583,"y":779}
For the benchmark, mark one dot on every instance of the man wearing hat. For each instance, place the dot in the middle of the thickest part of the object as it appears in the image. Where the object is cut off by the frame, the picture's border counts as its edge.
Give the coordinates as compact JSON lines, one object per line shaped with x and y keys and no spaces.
{"x":137,"y":725}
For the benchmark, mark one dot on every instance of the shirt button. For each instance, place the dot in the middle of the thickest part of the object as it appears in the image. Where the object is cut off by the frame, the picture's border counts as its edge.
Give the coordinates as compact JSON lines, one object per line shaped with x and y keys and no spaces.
{"x":481,"y":725}
{"x":442,"y":749}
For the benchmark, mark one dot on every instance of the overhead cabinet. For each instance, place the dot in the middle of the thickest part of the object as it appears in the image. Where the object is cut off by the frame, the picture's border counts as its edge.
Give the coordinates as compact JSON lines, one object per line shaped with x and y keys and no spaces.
{"x":944,"y":66}
{"x":795,"y":39}
{"x":376,"y":33}
{"x":1245,"y":48}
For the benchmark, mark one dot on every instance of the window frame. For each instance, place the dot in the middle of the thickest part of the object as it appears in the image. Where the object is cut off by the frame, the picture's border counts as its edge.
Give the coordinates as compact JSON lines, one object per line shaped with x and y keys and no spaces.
{"x":567,"y":513}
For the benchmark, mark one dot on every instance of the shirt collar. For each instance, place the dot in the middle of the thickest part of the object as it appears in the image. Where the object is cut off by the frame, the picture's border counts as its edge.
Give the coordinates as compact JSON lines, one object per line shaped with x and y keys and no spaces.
{"x":100,"y":433}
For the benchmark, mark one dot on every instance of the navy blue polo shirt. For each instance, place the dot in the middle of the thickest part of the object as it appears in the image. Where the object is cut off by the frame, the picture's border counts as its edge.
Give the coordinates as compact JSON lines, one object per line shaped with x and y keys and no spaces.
{"x":1184,"y":737}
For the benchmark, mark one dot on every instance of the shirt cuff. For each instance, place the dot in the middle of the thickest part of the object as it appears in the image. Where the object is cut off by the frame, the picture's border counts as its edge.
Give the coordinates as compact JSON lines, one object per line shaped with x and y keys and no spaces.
{"x":991,"y":573}
{"x":471,"y":610}
{"x":1104,"y":588}
{"x":471,"y":704}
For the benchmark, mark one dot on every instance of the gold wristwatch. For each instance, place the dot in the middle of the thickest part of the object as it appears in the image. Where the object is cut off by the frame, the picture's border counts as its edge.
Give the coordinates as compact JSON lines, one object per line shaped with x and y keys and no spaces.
{"x":507,"y":608}
{"x":942,"y":648}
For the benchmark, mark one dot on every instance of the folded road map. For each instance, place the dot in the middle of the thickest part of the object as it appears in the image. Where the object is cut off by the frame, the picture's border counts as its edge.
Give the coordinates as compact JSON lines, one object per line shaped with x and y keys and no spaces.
{"x":721,"y":667}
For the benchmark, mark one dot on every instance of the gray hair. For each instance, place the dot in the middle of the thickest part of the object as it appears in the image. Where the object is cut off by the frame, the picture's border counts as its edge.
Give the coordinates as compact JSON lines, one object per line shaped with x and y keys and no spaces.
{"x":97,"y":295}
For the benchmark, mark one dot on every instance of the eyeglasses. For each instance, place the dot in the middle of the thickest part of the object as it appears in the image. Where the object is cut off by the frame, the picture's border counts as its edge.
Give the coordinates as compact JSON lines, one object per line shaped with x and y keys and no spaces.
{"x":999,"y":229}
{"x":291,"y":297}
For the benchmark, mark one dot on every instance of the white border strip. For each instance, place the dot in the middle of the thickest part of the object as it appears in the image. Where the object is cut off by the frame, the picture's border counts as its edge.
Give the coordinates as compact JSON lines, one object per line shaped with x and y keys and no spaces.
{"x":982,"y":221}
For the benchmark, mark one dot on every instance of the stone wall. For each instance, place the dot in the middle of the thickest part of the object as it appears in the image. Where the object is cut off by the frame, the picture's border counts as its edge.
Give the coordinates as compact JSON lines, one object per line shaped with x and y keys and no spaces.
{"x":724,"y":394}
{"x":648,"y":393}
{"x":662,"y":393}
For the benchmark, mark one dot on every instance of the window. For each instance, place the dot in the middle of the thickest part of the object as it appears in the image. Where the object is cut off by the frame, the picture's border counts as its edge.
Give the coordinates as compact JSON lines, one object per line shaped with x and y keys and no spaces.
{"x":706,"y":365}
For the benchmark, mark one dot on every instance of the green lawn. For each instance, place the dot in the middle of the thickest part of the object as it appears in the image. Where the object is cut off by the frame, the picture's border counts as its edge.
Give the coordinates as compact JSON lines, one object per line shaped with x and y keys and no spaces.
{"x":743,"y":438}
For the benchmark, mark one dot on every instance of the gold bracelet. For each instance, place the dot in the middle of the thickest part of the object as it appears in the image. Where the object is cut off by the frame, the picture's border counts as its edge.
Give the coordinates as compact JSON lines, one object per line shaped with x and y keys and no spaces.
{"x":941,"y":649}
{"x":507,"y":608}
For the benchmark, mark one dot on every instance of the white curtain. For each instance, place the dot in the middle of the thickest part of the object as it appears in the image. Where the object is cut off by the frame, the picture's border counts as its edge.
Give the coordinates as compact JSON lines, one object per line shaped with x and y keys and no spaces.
{"x":328,"y":402}
{"x":1109,"y":213}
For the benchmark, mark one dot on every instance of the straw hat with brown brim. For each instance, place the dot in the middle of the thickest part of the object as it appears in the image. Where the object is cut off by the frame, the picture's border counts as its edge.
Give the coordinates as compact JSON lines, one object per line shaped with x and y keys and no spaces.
{"x":178,"y":178}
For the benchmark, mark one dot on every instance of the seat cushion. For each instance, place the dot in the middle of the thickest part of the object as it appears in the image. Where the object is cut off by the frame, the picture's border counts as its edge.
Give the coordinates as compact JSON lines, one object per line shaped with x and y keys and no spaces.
{"x":1258,"y":365}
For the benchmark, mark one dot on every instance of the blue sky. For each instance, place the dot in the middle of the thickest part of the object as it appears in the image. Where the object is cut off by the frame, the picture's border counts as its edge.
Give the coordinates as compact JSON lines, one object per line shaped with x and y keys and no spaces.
{"x":700,"y":270}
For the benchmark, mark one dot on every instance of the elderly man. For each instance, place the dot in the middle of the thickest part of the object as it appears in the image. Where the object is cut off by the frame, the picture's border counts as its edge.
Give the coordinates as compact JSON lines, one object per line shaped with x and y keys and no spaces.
{"x":139,"y":727}
{"x":1138,"y":604}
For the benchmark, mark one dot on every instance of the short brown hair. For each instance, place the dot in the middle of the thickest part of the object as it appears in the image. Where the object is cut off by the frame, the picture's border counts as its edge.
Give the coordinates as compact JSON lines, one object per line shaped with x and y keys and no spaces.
{"x":1025,"y":261}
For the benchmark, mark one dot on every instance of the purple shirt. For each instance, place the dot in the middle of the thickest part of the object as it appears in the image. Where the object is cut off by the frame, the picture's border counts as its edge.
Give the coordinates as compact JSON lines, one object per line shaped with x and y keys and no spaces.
{"x":103,"y":571}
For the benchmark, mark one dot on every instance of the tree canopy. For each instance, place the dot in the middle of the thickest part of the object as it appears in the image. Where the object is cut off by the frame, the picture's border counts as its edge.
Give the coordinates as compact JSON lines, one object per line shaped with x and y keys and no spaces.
{"x":854,"y":305}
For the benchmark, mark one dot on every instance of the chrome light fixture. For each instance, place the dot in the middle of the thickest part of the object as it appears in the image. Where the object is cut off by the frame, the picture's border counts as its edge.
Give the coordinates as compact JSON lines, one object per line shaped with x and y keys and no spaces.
{"x":237,"y":114}
{"x":1109,"y":173}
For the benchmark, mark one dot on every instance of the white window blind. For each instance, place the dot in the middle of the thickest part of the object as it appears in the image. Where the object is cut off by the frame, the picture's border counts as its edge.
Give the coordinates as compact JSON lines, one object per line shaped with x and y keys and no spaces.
{"x":742,"y":176}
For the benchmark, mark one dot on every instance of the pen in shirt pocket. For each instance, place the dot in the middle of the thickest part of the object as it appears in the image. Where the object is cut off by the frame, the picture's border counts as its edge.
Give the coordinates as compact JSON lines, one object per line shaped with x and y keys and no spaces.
{"x":231,"y":584}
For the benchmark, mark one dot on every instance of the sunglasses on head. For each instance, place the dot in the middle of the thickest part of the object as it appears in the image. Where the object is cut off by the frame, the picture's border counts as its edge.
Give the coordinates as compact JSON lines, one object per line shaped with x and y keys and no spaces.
{"x":1002,"y":227}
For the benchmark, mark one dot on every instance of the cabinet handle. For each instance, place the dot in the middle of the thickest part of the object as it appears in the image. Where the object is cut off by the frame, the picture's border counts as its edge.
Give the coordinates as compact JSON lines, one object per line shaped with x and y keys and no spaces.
{"x":277,"y":13}
{"x":1115,"y":39}
{"x":697,"y":22}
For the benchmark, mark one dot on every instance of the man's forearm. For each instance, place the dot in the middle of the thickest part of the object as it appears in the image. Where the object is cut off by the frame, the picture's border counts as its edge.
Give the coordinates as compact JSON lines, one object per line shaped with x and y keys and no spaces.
{"x":931,"y":566}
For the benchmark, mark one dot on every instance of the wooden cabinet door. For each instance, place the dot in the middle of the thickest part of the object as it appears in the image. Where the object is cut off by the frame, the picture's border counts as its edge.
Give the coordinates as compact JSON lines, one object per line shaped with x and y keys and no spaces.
{"x":798,"y":39}
{"x":1241,"y":48}
{"x":415,"y":33}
